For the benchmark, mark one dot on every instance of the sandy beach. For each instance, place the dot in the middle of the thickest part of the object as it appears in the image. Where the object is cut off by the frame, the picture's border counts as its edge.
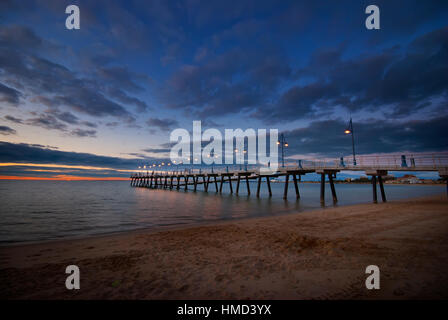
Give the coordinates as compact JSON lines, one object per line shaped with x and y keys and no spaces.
{"x":310,"y":255}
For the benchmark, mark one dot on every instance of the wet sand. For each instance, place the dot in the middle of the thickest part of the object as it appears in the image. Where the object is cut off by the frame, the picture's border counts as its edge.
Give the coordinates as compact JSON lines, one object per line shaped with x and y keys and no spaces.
{"x":310,"y":255}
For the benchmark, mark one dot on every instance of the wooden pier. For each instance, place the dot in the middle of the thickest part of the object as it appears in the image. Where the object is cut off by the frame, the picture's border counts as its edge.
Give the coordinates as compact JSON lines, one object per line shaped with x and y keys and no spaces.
{"x":376,"y":170}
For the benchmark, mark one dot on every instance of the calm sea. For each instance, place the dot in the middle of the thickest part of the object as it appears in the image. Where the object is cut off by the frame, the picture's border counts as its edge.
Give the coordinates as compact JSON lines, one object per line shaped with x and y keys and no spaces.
{"x":47,"y":210}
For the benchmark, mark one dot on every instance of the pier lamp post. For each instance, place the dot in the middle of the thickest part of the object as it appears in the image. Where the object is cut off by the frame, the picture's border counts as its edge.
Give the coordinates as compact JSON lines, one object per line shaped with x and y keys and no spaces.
{"x":192,"y":166}
{"x":216,"y":157}
{"x":349,"y":130}
{"x":282,"y":142}
{"x":244,"y":159}
{"x":236,"y":154}
{"x":212,"y":155}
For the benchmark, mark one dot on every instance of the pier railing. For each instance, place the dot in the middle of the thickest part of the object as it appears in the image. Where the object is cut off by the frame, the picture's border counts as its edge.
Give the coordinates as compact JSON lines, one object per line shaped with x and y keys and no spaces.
{"x":396,"y":162}
{"x":401,"y":162}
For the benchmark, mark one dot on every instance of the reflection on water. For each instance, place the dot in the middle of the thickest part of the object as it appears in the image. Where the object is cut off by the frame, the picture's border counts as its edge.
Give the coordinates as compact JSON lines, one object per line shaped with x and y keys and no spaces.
{"x":46,"y":210}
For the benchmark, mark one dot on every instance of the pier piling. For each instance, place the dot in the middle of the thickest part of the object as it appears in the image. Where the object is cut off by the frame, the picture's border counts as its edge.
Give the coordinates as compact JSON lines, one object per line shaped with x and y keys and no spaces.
{"x":294,"y":177}
{"x":333,"y":191}
{"x":383,"y":194}
{"x":375,"y":198}
{"x":285,"y":192}
{"x":322,"y":187}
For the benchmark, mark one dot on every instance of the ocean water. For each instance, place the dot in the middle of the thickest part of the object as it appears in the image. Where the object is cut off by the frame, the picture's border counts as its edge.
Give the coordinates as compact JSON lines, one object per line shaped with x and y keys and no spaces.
{"x":47,"y":210}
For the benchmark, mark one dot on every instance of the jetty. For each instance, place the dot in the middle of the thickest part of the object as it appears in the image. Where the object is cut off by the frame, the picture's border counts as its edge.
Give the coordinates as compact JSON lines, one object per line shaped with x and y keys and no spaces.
{"x":212,"y":179}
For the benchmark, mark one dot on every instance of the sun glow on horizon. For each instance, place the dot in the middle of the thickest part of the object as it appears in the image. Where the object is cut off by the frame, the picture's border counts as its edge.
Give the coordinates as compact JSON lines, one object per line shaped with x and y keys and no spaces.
{"x":65,"y":166}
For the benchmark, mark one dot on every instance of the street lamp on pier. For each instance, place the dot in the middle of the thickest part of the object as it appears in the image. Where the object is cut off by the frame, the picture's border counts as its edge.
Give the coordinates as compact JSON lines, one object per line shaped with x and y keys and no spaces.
{"x":349,"y":130}
{"x":282,"y":142}
{"x":212,"y":155}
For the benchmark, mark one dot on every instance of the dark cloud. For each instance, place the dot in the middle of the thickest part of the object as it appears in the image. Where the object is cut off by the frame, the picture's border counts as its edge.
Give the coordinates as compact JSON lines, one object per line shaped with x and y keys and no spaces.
{"x":89,"y":124}
{"x":327,"y":138}
{"x":47,"y":121}
{"x":5,"y":130}
{"x":387,"y":81}
{"x":13,"y":119}
{"x":19,"y":37}
{"x":83,"y":133}
{"x":122,"y":77}
{"x":41,"y":76}
{"x":157,"y":150}
{"x":112,"y":124}
{"x":9,"y":95}
{"x":138,"y":155}
{"x":123,"y":97}
{"x":227,"y":83}
{"x":21,"y":152}
{"x":56,"y":86}
{"x":55,"y":120}
{"x":67,"y":117}
{"x":162,"y":124}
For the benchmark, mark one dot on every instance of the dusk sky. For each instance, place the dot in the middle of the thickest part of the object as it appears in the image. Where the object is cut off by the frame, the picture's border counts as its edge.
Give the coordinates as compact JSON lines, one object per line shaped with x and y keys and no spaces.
{"x":107,"y":96}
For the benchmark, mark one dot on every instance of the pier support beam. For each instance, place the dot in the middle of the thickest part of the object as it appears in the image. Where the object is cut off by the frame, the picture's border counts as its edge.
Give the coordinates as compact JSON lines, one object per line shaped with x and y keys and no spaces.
{"x":333,"y":191}
{"x":206,"y":183}
{"x":331,"y":173}
{"x":375,"y":197}
{"x":214,"y":175}
{"x":216,"y":184}
{"x":268,"y":182}
{"x":229,"y":177}
{"x":242,"y":175}
{"x":186,"y":182}
{"x":238,"y":184}
{"x":322,"y":188}
{"x":444,"y":175}
{"x":383,"y":194}
{"x":258,"y":186}
{"x":230,"y":183}
{"x":285,"y":192}
{"x":294,"y":177}
{"x":377,"y":175}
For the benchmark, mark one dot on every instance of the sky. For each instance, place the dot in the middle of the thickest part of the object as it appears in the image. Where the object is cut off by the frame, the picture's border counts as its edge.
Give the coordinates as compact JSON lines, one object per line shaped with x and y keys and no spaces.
{"x":102,"y":100}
